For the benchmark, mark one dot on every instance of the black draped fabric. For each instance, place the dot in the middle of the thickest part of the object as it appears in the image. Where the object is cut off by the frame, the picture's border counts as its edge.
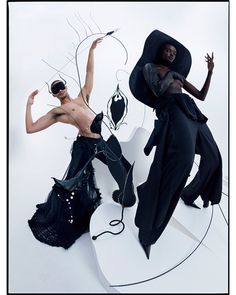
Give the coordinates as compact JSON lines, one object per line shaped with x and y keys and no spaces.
{"x":185,"y":103}
{"x":179,"y":133}
{"x":66,"y":213}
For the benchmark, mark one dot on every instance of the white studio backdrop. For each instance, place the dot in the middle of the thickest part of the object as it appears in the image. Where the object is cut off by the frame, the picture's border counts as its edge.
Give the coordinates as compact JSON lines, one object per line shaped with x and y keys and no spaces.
{"x":42,"y":31}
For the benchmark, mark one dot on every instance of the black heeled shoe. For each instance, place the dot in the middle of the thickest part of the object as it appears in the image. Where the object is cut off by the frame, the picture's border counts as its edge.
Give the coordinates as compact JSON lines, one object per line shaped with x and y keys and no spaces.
{"x":147,"y":249}
{"x":117,"y":196}
{"x":206,"y":203}
{"x":192,"y":205}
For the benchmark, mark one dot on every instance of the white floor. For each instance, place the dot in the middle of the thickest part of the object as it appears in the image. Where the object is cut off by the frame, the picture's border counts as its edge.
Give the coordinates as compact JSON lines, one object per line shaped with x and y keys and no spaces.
{"x":84,"y":268}
{"x":125,"y":269}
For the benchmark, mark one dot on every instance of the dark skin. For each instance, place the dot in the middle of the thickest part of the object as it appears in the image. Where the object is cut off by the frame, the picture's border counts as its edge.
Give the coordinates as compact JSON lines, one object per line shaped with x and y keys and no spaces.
{"x":168,"y":55}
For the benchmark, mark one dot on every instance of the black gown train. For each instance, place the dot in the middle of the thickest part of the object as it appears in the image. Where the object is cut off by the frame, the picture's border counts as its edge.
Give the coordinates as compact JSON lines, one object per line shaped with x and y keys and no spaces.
{"x":66,"y":213}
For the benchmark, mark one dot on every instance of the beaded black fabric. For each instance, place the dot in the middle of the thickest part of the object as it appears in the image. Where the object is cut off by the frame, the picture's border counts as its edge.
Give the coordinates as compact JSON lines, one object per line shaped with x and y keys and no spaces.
{"x":66,"y":213}
{"x":65,"y":216}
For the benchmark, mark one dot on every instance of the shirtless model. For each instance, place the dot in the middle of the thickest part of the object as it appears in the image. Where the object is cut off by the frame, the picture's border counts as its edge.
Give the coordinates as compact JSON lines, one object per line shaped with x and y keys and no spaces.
{"x":66,"y":213}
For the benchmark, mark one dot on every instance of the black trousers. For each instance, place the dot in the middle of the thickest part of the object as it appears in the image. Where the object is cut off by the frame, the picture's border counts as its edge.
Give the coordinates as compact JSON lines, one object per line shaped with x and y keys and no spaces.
{"x":66,"y":213}
{"x":173,"y":160}
{"x":85,"y":149}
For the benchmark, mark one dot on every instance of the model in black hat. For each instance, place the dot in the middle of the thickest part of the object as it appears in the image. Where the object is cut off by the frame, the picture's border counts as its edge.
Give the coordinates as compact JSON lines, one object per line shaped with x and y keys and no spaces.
{"x":179,"y":133}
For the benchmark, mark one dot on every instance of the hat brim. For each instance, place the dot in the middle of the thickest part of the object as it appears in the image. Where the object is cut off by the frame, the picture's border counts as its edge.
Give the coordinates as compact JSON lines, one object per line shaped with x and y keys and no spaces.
{"x":181,"y":64}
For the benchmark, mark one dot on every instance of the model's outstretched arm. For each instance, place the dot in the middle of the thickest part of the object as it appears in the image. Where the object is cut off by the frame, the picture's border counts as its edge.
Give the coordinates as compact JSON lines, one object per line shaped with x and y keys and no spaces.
{"x":43,"y":122}
{"x":87,"y":88}
{"x":203,"y":92}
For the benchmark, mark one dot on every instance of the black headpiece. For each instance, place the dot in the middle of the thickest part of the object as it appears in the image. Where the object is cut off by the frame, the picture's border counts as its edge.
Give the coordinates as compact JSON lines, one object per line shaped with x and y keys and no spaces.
{"x":154,"y":41}
{"x":56,"y":86}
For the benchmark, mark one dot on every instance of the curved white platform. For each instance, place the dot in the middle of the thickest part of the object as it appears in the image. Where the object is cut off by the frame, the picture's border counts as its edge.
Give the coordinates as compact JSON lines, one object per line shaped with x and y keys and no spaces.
{"x":124,"y":267}
{"x":179,"y":262}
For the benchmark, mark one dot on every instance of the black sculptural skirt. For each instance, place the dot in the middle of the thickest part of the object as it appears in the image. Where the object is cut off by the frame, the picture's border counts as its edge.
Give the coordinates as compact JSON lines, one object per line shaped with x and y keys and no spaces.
{"x":66,"y":214}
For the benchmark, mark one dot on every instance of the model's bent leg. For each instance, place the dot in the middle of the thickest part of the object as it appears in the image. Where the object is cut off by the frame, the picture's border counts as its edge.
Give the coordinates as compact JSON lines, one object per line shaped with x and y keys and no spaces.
{"x":175,"y":175}
{"x":208,"y":181}
{"x":79,"y":157}
{"x":168,"y":174}
{"x":119,"y":168}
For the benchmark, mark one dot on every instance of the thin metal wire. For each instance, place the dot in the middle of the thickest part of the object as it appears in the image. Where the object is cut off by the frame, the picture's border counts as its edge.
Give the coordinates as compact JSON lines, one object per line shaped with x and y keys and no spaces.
{"x":172,"y":268}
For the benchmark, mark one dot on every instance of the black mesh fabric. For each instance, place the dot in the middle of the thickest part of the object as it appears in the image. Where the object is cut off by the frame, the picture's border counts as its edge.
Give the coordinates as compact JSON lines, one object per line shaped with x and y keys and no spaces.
{"x":65,"y":215}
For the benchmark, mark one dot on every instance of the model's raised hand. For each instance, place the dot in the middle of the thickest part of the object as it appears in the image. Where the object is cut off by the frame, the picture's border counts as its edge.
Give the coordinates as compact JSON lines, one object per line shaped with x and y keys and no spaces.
{"x":95,"y":42}
{"x":31,"y":97}
{"x":210,"y":62}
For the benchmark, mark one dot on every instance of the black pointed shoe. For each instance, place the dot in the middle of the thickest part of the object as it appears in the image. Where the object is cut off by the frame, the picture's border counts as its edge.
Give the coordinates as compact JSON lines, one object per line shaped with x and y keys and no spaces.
{"x":205,"y":203}
{"x":117,"y":196}
{"x":147,"y":249}
{"x":192,"y":205}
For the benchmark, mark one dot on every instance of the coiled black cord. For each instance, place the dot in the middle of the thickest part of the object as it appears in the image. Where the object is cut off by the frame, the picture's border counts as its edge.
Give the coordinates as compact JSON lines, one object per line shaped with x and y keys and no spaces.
{"x":116,"y":222}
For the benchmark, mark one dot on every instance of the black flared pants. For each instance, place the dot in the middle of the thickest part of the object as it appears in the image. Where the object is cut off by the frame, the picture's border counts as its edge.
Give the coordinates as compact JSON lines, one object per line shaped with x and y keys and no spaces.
{"x":66,"y":213}
{"x":172,"y":163}
{"x":86,"y":149}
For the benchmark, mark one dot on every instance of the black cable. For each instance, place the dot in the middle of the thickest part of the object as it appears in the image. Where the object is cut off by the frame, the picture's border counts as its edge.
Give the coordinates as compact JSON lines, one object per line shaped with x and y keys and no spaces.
{"x":223,"y":214}
{"x":172,"y":268}
{"x":225,"y":194}
{"x":178,"y":264}
{"x":115,"y":222}
{"x":77,"y":67}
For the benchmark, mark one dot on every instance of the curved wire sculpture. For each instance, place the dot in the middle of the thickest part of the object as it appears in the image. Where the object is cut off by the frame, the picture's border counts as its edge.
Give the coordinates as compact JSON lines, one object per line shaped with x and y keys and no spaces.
{"x":117,"y":109}
{"x":129,"y":175}
{"x":120,"y":101}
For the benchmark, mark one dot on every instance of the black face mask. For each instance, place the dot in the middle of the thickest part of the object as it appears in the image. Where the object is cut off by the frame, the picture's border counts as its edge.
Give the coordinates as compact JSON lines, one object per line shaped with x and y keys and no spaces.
{"x":57,"y":87}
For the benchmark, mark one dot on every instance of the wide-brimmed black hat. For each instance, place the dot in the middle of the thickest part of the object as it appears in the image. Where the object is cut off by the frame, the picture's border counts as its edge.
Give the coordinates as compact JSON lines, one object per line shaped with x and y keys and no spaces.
{"x":154,"y":41}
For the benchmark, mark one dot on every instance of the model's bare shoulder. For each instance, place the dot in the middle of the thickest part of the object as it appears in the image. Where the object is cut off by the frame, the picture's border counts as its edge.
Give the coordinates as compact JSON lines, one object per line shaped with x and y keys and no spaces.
{"x":55,"y":115}
{"x":82,"y":98}
{"x":57,"y":111}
